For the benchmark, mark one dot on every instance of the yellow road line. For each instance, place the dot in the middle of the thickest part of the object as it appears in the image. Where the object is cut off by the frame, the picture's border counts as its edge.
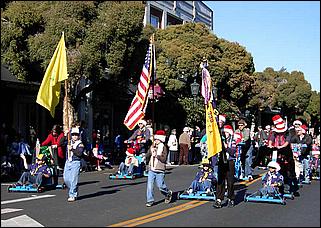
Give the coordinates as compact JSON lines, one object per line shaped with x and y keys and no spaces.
{"x":247,"y":183}
{"x":170,"y":211}
{"x":155,"y":214}
{"x":199,"y":203}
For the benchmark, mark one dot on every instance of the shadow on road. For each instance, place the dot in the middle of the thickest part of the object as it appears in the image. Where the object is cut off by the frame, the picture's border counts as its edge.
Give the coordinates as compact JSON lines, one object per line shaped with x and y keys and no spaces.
{"x":97,"y":194}
{"x":87,"y":182}
{"x":125,"y":184}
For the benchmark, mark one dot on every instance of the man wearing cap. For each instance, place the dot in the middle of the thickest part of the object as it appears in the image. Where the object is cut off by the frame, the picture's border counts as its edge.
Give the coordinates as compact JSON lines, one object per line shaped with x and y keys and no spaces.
{"x":246,"y":155}
{"x":35,"y":171}
{"x":72,"y":166}
{"x":157,"y":155}
{"x":226,"y":168}
{"x":184,"y":146}
{"x":280,"y":140}
{"x":305,"y":141}
{"x":143,"y":137}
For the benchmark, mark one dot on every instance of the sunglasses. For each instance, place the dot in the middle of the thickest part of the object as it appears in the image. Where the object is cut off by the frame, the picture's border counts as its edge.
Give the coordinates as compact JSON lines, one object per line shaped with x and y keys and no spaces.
{"x":74,"y":134}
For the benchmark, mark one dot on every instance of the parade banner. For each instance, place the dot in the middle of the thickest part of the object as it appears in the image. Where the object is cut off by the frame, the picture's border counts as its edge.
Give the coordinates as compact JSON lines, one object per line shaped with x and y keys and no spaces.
{"x":56,"y":72}
{"x":214,"y":143}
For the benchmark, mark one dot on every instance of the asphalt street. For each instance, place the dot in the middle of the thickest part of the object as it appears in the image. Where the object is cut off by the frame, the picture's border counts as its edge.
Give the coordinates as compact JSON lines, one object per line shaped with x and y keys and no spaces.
{"x":103,"y":202}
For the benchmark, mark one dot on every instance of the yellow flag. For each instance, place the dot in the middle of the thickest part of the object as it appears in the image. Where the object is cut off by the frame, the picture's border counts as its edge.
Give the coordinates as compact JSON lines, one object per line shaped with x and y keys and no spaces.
{"x":214,"y":143}
{"x":49,"y":92}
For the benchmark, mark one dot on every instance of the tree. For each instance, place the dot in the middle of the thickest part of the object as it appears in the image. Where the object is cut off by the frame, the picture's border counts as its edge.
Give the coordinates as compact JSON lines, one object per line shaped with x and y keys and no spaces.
{"x":180,"y":50}
{"x":99,"y":36}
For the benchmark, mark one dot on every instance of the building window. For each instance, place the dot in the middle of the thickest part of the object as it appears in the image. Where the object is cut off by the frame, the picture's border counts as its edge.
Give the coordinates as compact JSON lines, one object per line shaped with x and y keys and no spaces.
{"x":154,"y":21}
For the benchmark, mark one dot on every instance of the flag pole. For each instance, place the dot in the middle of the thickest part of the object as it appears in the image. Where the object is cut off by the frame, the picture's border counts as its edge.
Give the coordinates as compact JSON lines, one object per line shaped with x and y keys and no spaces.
{"x":67,"y":111}
{"x":153,"y":83}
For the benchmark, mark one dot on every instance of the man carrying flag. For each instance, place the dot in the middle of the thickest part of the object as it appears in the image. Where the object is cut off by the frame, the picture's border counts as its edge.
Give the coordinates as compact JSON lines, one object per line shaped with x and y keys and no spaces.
{"x":49,"y":92}
{"x":218,"y":147}
{"x":138,"y":106}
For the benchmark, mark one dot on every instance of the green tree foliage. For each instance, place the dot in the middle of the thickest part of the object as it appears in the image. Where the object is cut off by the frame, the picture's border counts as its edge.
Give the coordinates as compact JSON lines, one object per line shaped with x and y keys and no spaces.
{"x":180,"y":50}
{"x":98,"y":36}
{"x":314,"y":106}
{"x":288,"y":91}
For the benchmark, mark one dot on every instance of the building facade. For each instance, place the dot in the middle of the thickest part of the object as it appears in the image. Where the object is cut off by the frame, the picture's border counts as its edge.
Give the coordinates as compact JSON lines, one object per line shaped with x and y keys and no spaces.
{"x":161,"y":14}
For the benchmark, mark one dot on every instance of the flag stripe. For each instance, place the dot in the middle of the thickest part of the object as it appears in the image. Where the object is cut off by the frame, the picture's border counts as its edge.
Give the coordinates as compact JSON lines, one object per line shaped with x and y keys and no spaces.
{"x":138,"y":106}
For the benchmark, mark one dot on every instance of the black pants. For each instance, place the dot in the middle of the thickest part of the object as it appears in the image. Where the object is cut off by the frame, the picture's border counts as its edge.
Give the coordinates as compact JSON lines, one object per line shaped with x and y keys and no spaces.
{"x":286,"y":161}
{"x":225,"y":172}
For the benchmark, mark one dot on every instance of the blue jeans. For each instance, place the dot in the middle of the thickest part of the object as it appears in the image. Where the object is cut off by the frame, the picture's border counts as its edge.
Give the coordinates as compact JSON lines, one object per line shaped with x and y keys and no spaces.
{"x":268,"y":190}
{"x":71,"y":176}
{"x":305,"y":163}
{"x":248,"y":162}
{"x":201,"y":186}
{"x":124,"y":169}
{"x":26,"y":176}
{"x":160,"y":182}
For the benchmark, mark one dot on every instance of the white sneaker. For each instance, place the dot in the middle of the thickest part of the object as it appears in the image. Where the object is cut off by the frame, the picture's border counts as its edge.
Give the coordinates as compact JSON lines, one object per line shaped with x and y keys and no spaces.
{"x":208,"y":191}
{"x":71,"y":199}
{"x":190,"y":191}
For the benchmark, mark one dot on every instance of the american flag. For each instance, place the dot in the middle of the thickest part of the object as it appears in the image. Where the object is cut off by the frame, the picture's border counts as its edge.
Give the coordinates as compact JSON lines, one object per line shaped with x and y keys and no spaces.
{"x":137,"y":108}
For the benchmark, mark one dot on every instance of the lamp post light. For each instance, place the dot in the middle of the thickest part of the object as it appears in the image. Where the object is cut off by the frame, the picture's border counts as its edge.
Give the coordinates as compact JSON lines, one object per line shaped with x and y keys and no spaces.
{"x":195,"y":87}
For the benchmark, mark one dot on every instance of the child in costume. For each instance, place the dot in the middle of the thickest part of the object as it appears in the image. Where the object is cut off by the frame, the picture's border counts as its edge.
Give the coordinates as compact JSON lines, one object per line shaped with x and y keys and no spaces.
{"x":204,"y":179}
{"x":272,"y":180}
{"x":131,"y":161}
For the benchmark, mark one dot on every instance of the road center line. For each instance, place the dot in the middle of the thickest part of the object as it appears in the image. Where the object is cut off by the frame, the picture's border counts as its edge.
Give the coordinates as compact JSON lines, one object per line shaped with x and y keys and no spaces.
{"x":154,"y":214}
{"x":170,"y":211}
{"x":26,"y":199}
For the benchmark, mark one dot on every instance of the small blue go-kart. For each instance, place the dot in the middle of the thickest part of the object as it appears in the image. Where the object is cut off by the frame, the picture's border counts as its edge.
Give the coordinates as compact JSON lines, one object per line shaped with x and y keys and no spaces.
{"x":137,"y":171}
{"x":198,"y":195}
{"x":275,"y":197}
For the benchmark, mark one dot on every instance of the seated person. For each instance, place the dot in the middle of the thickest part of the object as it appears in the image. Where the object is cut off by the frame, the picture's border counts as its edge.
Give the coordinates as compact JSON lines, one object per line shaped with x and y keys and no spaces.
{"x":131,"y":161}
{"x":35,"y":171}
{"x":272,"y":181}
{"x":204,"y":179}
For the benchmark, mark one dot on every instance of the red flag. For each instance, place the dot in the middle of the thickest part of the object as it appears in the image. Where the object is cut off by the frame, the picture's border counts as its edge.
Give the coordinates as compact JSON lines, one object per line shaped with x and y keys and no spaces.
{"x":137,"y":108}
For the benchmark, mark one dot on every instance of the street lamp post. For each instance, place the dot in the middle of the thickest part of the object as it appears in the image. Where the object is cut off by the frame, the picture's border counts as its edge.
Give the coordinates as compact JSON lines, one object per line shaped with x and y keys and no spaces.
{"x":195,"y":87}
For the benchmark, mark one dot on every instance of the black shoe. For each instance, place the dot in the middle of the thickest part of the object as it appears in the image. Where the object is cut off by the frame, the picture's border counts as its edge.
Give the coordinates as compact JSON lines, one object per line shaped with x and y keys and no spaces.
{"x":230,"y":203}
{"x":168,"y":198}
{"x":217,"y":203}
{"x":296,"y":194}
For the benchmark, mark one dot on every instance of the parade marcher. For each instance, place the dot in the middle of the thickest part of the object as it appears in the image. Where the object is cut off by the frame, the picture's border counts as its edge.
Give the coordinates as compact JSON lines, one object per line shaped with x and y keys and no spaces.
{"x":56,"y":139}
{"x":246,"y":155}
{"x":301,"y":137}
{"x":226,"y":168}
{"x":261,"y":139}
{"x":195,"y":155}
{"x":204,"y":179}
{"x":272,"y":180}
{"x":156,"y":156}
{"x":142,"y":136}
{"x":35,"y":172}
{"x":280,"y":140}
{"x":173,"y":148}
{"x":184,"y":146}
{"x":73,"y":163}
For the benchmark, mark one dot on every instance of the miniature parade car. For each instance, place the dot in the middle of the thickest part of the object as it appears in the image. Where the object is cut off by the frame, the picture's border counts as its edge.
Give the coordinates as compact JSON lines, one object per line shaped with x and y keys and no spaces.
{"x":276,"y":197}
{"x":137,"y":171}
{"x":47,"y":183}
{"x":198,"y":195}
